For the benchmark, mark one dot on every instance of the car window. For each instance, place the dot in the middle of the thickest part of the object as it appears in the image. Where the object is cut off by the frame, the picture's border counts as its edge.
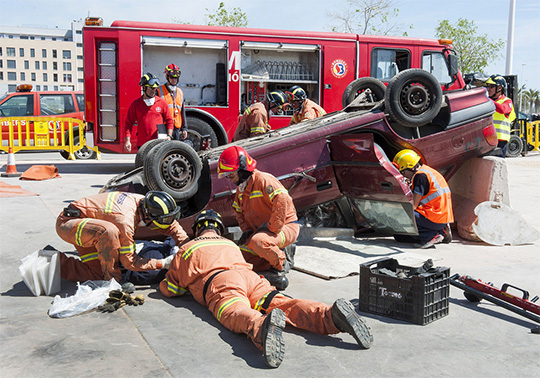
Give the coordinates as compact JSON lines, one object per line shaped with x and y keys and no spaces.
{"x":52,"y":104}
{"x":80,"y":102}
{"x":435,"y":63}
{"x":18,"y":106}
{"x":387,"y":63}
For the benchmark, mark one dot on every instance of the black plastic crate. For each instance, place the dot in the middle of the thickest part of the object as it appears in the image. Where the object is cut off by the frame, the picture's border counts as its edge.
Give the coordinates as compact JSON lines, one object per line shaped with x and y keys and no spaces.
{"x":418,"y":299}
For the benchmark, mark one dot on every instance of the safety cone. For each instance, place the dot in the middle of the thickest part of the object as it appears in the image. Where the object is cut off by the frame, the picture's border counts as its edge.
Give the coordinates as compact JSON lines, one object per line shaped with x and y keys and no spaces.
{"x":11,"y":170}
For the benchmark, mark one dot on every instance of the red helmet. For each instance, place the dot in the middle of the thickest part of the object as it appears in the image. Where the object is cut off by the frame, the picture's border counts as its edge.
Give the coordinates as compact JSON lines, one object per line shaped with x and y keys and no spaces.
{"x":172,"y":70}
{"x":233,"y":159}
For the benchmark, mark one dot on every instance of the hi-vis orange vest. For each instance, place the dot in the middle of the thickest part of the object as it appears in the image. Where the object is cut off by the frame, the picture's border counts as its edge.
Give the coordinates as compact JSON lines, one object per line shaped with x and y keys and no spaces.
{"x":175,"y":103}
{"x":436,"y":205}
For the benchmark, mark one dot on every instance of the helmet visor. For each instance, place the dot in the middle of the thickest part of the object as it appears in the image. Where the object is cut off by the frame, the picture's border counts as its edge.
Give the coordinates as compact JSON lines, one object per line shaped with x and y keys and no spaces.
{"x":165,"y":220}
{"x":174,"y":73}
{"x":153,"y":83}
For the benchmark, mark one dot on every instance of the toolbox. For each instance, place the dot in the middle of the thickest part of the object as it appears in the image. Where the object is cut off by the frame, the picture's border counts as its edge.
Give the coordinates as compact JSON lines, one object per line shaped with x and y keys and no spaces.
{"x":402,"y":292}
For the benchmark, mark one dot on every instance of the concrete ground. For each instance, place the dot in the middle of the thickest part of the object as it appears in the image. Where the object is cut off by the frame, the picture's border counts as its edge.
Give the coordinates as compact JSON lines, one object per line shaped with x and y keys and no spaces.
{"x":177,"y":337}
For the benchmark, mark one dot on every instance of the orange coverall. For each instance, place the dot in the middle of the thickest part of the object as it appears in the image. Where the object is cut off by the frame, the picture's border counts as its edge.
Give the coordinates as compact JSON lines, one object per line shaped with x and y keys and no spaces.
{"x":265,"y":200}
{"x":236,"y":295}
{"x":254,"y":121}
{"x":309,"y":110}
{"x":103,"y":237}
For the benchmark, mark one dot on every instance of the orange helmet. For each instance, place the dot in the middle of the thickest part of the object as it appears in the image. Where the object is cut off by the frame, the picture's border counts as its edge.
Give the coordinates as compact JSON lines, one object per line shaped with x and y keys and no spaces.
{"x":233,"y":159}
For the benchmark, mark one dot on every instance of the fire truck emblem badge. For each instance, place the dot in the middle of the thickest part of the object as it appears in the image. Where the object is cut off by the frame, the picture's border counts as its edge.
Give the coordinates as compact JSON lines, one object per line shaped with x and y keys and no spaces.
{"x":339,"y":68}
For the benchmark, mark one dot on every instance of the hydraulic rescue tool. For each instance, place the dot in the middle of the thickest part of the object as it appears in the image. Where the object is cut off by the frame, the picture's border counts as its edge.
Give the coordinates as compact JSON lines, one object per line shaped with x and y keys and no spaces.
{"x":476,"y":290}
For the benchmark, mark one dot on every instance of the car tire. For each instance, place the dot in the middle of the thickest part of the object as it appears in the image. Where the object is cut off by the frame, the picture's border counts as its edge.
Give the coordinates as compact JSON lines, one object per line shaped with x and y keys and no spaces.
{"x":358,"y":86}
{"x":142,"y":153}
{"x":413,"y":98}
{"x":197,"y":128}
{"x":175,"y":168}
{"x":515,"y":146}
{"x":83,"y":154}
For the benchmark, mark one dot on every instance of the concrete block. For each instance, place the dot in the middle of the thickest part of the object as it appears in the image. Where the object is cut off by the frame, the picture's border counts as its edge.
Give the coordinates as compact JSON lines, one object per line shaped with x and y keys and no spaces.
{"x":478,"y":180}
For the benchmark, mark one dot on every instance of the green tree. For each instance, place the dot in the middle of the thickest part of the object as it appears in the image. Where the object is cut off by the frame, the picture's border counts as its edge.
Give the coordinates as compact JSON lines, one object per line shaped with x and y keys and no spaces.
{"x":224,"y":17}
{"x":475,"y":52}
{"x":368,"y":17}
{"x":531,"y":101}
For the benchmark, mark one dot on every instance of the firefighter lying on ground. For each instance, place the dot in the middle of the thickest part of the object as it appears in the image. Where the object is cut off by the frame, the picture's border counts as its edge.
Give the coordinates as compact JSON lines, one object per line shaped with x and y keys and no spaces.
{"x":213,"y":270}
{"x":254,"y":121}
{"x":266,"y":215}
{"x":102,"y":226}
{"x":303,"y":107}
{"x":432,"y":201}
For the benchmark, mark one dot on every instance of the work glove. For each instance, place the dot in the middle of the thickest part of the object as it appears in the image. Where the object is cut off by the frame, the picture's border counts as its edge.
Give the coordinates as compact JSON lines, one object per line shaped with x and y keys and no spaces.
{"x":118,"y":299}
{"x":245,"y":236}
{"x":166,"y":262}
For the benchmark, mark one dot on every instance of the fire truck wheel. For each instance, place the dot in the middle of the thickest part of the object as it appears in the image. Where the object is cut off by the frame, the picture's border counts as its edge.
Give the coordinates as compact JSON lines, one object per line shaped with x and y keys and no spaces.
{"x":472,"y":297}
{"x":197,"y":129}
{"x":413,"y":98}
{"x":143,"y":152}
{"x":173,"y":167}
{"x":83,"y":154}
{"x":359,"y":86}
{"x":515,"y":146}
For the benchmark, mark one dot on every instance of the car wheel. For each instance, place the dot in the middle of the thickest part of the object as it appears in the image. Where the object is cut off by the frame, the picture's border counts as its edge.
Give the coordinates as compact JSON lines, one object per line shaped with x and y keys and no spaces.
{"x":515,"y":146}
{"x":359,"y":86}
{"x":413,"y":98}
{"x":83,"y":154}
{"x":173,"y":167}
{"x":142,"y":152}
{"x":197,"y":129}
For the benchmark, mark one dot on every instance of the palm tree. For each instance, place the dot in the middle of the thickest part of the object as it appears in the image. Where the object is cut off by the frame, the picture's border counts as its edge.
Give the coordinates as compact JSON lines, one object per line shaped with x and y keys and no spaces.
{"x":531,"y":100}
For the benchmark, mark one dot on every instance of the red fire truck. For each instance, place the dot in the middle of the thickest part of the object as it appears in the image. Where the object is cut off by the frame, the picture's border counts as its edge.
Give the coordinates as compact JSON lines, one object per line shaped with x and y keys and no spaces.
{"x":225,"y":69}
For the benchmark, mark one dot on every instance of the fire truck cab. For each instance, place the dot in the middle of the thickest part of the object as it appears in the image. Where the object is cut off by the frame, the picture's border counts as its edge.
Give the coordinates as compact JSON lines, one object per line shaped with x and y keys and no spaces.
{"x":225,"y":69}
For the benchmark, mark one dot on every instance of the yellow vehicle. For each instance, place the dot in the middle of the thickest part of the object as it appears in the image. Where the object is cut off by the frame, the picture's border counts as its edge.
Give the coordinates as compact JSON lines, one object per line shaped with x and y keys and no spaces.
{"x":524,"y":137}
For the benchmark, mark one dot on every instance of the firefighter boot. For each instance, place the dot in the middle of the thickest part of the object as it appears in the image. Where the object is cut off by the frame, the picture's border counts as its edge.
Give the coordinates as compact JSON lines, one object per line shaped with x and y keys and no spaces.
{"x":276,"y":278}
{"x":272,"y":338}
{"x":447,"y":234}
{"x":347,"y":320}
{"x":290,"y":251}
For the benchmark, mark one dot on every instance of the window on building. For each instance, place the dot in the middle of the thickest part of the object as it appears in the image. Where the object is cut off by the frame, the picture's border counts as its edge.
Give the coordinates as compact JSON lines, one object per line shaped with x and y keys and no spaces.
{"x":38,"y":88}
{"x":66,"y":54}
{"x":32,"y":37}
{"x":11,"y":64}
{"x":43,"y":53}
{"x":80,"y":69}
{"x":12,"y":88}
{"x":79,"y":57}
{"x":33,"y":76}
{"x":44,"y":65}
{"x":67,"y":66}
{"x":23,"y":76}
{"x":67,"y":78}
{"x":12,"y":76}
{"x":80,"y":80}
{"x":32,"y":53}
{"x":37,"y":64}
{"x":26,"y":65}
{"x":56,"y":87}
{"x":55,"y":66}
{"x":24,"y":37}
{"x":45,"y":87}
{"x":42,"y":38}
{"x":54,"y":54}
{"x":79,"y":45}
{"x":45,"y":78}
{"x":1,"y":63}
{"x":21,"y":51}
{"x":55,"y":78}
{"x":10,"y":51}
{"x":1,"y":75}
{"x":78,"y":31}
{"x":53,"y":38}
{"x":1,"y":51}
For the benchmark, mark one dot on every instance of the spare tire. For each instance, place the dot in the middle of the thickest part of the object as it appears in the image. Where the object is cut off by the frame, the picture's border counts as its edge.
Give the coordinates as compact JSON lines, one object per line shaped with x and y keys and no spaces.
{"x":175,"y":168}
{"x":142,"y":152}
{"x":413,"y":97}
{"x":359,"y":86}
{"x":197,"y":129}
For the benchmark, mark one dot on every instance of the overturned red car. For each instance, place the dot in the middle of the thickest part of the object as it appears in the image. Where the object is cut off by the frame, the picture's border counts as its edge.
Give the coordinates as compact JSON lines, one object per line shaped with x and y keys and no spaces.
{"x":343,"y":158}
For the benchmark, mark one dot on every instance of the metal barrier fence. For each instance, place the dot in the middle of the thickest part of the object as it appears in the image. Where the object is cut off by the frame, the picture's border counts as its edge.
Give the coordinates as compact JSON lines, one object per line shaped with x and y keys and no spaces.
{"x":532,"y":137}
{"x":43,"y":133}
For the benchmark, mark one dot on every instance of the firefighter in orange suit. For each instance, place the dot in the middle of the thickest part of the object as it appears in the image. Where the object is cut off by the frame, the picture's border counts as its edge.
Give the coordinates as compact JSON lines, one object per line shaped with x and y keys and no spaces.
{"x":254,"y":121}
{"x":213,"y":270}
{"x":265,"y":213}
{"x":432,"y":201}
{"x":175,"y":98}
{"x":303,"y":107}
{"x":101,"y":227}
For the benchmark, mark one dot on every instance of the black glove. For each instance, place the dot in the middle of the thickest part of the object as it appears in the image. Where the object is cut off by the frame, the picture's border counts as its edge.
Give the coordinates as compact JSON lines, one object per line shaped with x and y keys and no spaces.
{"x":245,"y":236}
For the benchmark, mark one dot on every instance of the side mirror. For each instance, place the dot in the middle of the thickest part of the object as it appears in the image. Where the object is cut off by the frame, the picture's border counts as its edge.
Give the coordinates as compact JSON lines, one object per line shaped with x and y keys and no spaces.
{"x":453,"y":65}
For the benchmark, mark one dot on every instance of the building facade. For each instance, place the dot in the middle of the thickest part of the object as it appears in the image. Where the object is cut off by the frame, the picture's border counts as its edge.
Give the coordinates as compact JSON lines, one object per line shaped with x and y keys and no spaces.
{"x":50,"y":59}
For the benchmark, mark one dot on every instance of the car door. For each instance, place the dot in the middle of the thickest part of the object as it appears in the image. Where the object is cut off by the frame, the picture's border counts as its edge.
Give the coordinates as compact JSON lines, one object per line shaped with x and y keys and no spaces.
{"x":375,"y":188}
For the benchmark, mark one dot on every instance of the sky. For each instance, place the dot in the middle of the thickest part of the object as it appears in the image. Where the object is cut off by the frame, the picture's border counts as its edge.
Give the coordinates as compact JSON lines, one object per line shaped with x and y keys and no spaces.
{"x":491,"y":18}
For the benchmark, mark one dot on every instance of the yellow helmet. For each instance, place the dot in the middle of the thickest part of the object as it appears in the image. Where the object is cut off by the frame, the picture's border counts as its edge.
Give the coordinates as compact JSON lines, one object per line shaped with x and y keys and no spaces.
{"x":406,"y":159}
